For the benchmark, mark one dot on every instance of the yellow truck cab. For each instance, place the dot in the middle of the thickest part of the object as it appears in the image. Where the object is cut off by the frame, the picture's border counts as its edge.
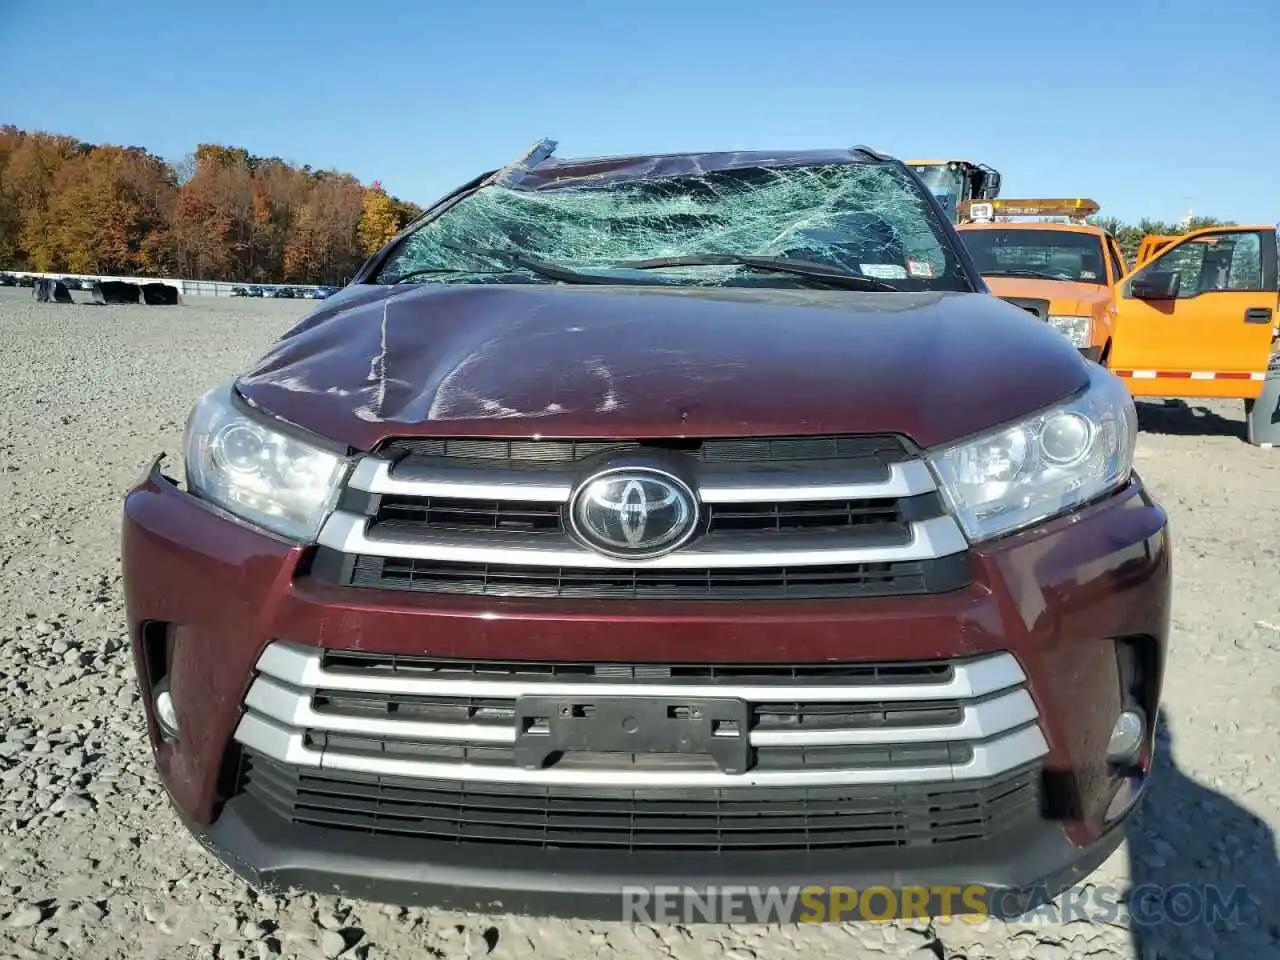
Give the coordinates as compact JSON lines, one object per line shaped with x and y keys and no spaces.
{"x":1064,"y":272}
{"x":1152,"y":244}
{"x":1197,"y":318}
{"x":955,"y":182}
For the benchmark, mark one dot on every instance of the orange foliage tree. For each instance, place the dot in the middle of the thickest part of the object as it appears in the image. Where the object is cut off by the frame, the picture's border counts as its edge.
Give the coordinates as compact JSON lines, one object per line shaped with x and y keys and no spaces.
{"x":219,"y":214}
{"x":379,"y":221}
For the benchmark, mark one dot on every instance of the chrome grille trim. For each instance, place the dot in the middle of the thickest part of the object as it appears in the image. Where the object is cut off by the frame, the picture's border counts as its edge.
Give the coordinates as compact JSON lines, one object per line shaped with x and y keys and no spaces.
{"x":287,"y":745}
{"x":301,"y":666}
{"x":980,"y":721}
{"x":292,"y":706}
{"x":998,"y":727}
{"x":416,"y":478}
{"x":930,"y":539}
{"x":907,"y":479}
{"x":374,"y":475}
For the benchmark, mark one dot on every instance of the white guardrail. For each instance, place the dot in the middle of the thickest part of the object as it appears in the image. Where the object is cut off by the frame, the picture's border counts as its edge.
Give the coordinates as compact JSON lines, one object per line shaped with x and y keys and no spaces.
{"x":187,"y":288}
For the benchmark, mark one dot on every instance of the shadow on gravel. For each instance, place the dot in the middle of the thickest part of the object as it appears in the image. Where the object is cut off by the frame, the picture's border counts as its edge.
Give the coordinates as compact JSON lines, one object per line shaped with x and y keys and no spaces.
{"x":1180,"y":419}
{"x":1206,"y":880}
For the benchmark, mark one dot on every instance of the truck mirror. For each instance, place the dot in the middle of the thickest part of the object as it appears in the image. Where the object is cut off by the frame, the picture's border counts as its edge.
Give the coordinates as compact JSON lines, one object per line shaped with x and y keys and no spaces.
{"x":1156,"y":285}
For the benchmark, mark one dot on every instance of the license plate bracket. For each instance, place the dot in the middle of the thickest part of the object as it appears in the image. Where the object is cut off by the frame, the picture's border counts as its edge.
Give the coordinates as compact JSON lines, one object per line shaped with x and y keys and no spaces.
{"x":714,"y":727}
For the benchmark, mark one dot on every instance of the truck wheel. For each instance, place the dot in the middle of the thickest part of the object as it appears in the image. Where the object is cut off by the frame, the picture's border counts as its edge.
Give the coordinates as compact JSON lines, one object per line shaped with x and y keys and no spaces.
{"x":1262,"y":416}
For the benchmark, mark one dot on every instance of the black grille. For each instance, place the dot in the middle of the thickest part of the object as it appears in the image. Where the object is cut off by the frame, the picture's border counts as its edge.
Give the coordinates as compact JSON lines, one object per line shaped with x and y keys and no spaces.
{"x":887,"y":514}
{"x":500,"y":712}
{"x":612,"y":818}
{"x":879,"y":756}
{"x":1037,"y":308}
{"x":887,"y":449}
{"x":905,"y":578}
{"x":484,"y":514}
{"x":740,"y":674}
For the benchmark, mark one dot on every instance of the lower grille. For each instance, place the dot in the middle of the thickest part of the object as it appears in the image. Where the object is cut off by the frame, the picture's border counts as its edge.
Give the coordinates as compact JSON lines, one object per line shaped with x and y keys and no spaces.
{"x":905,"y":578}
{"x":1037,"y":308}
{"x":779,"y":819}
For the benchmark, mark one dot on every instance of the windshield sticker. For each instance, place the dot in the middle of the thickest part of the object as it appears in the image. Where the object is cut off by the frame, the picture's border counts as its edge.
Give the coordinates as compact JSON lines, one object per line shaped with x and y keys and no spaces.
{"x":1088,"y":275}
{"x":920,"y":268}
{"x":883,"y":271}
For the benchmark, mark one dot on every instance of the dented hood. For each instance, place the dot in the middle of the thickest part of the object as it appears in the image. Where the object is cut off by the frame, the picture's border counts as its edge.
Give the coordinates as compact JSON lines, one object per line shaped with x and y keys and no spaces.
{"x":599,"y":362}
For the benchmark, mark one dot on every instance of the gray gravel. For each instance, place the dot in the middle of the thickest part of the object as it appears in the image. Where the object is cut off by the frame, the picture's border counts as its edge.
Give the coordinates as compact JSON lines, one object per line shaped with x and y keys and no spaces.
{"x":93,"y":863}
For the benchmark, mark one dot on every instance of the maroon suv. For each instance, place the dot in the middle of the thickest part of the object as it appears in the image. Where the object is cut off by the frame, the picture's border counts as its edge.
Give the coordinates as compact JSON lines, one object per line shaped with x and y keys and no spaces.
{"x":691,"y":519}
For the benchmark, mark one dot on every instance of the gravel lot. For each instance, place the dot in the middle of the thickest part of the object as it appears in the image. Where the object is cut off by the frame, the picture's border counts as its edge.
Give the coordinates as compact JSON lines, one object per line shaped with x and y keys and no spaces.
{"x":95,"y":865}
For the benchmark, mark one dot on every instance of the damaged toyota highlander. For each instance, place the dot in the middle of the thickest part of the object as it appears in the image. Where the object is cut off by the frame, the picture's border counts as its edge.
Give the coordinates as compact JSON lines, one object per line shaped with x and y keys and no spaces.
{"x":691,"y":519}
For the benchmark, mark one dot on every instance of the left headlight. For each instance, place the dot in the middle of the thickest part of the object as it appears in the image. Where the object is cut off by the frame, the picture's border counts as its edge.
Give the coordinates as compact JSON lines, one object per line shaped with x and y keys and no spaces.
{"x":1045,"y":465}
{"x":258,"y":472}
{"x":1075,"y":329}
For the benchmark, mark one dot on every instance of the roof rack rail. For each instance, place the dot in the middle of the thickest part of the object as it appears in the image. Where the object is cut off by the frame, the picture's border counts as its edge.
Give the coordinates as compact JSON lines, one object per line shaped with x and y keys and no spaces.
{"x":872,"y":153}
{"x":512,"y":173}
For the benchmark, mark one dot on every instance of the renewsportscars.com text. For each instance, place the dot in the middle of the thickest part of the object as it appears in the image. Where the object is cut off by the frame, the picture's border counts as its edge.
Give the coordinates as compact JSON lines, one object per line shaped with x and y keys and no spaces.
{"x":1142,"y":905}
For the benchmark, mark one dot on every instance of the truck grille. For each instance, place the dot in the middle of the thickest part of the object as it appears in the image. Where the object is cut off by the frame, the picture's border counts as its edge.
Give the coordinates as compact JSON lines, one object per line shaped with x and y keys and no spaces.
{"x":1037,"y":308}
{"x":780,"y":518}
{"x":688,"y":726}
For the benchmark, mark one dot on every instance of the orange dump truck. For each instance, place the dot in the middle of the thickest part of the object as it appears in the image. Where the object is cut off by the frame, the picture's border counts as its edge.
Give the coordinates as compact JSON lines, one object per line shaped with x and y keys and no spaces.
{"x":1196,"y":319}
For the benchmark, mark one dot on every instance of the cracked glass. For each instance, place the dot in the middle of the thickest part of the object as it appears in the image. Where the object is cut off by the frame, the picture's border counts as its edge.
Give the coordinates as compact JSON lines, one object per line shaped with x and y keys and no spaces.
{"x":870,"y":220}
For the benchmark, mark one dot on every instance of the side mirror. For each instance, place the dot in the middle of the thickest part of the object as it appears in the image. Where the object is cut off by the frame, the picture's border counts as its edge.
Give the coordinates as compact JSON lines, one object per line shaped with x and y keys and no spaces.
{"x":1156,"y":285}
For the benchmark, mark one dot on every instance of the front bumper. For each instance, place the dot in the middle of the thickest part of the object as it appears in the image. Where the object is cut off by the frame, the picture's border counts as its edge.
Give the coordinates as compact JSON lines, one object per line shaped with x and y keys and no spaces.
{"x":1002,"y":882}
{"x":207,"y":594}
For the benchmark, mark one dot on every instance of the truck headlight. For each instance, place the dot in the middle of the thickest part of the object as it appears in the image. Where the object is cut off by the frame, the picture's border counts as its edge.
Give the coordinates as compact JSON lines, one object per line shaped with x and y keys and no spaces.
{"x":1045,"y":465}
{"x":1075,"y":329}
{"x":257,"y":471}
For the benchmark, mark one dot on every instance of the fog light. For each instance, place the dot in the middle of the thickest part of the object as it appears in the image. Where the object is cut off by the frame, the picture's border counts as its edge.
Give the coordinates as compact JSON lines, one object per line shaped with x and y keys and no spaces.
{"x":166,"y":715}
{"x":1126,"y":737}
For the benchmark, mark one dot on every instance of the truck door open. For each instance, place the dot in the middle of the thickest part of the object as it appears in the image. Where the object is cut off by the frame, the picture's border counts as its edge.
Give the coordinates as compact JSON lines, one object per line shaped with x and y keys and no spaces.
{"x":1196,"y":319}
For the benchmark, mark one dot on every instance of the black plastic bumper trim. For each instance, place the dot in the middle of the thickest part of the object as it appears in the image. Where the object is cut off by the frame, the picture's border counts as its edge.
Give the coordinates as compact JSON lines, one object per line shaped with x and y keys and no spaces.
{"x":1017,"y":872}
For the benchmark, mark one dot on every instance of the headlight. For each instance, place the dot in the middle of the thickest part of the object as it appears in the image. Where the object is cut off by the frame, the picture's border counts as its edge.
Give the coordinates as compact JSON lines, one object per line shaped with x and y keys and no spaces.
{"x":1075,"y":329}
{"x":1047,"y":464}
{"x":258,"y":472}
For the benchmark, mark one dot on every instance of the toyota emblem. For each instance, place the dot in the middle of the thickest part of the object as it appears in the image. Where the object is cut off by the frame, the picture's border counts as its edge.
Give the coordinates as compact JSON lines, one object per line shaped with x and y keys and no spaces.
{"x":633,"y":513}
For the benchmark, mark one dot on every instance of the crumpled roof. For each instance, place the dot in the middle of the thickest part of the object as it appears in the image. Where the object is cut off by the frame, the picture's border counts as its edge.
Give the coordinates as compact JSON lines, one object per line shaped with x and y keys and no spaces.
{"x":554,"y":172}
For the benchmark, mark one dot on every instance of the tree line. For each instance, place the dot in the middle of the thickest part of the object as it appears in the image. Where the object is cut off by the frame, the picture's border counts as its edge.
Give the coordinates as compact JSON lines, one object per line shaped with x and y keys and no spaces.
{"x":1129,"y":235}
{"x":218,"y":214}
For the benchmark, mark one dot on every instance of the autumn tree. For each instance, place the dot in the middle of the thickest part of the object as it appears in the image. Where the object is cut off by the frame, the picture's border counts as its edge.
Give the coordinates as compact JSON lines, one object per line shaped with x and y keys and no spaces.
{"x":379,"y":222}
{"x":110,"y":211}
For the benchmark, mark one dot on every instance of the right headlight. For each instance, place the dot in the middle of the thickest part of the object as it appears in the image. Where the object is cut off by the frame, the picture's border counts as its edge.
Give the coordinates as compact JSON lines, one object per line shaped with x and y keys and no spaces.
{"x":1042,"y":466}
{"x":256,"y":470}
{"x":1075,"y":329}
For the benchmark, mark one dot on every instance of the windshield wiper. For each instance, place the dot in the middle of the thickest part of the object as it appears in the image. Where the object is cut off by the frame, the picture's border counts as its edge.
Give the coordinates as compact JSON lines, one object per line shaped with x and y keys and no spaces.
{"x":541,"y":268}
{"x":1016,"y":272}
{"x":552,"y":271}
{"x":800,"y":268}
{"x":436,"y":271}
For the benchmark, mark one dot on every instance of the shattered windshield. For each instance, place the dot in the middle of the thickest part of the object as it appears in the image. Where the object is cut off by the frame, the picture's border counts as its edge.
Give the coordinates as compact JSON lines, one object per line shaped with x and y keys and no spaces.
{"x":868,"y":220}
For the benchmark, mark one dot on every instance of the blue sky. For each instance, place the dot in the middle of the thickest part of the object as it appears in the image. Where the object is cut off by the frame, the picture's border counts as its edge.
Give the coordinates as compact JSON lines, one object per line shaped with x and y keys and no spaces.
{"x":1148,"y":106}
